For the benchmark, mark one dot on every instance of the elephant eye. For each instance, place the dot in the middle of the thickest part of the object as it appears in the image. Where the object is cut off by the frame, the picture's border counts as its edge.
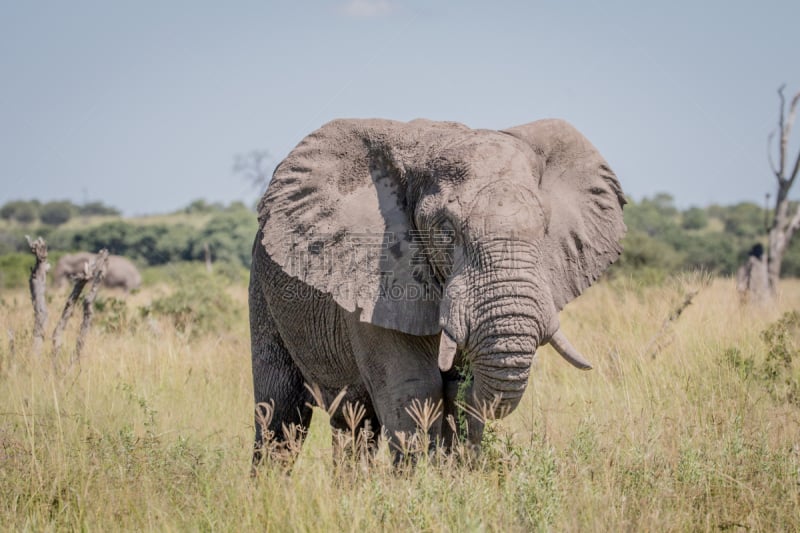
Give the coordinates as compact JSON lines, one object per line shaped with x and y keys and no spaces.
{"x":443,"y":238}
{"x":445,"y":235}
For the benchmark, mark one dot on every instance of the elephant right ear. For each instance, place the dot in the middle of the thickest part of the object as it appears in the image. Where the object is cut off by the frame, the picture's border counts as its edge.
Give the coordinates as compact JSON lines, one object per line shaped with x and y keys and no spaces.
{"x":585,"y":200}
{"x":337,"y":215}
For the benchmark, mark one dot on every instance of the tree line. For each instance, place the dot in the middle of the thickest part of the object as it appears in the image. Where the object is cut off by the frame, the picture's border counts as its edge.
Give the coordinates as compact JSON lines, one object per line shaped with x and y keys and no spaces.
{"x":661,"y":239}
{"x":228,"y":231}
{"x":53,"y":213}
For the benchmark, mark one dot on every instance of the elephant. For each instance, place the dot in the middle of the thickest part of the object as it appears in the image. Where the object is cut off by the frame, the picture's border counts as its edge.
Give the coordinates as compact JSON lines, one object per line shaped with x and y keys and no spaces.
{"x":120,"y":273}
{"x":390,"y":254}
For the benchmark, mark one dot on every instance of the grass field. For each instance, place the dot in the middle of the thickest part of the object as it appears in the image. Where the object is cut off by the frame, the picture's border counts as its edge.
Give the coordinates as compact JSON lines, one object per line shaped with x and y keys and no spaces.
{"x":690,"y":427}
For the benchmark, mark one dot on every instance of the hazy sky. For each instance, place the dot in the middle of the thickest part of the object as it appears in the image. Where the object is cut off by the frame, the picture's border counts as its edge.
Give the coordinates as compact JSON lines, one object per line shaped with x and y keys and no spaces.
{"x":144,"y":106}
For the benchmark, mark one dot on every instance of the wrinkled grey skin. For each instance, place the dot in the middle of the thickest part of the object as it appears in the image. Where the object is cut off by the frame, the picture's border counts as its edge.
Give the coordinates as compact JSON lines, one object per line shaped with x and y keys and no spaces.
{"x":389,"y":254}
{"x":121,"y":272}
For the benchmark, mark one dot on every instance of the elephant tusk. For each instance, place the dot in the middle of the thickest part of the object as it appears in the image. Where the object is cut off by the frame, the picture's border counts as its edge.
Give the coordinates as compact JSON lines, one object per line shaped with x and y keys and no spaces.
{"x":566,"y":350}
{"x":447,"y":351}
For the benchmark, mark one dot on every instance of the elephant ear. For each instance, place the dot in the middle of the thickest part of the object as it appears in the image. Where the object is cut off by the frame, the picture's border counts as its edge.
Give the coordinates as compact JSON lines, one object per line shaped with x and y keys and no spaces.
{"x":337,"y":215}
{"x":585,"y":201}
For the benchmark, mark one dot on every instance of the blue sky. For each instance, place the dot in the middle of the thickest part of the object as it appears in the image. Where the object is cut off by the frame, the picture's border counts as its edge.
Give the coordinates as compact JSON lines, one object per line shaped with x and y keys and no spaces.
{"x":144,"y":105}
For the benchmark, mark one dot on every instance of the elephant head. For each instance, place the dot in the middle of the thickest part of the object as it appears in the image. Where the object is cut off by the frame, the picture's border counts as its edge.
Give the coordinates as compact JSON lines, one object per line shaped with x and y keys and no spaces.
{"x":429,"y":228}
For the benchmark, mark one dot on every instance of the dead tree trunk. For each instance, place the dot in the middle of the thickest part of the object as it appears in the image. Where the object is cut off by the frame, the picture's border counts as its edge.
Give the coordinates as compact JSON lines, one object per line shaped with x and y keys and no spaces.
{"x":38,"y":286}
{"x":80,"y":279}
{"x":786,"y":220}
{"x":98,"y":273}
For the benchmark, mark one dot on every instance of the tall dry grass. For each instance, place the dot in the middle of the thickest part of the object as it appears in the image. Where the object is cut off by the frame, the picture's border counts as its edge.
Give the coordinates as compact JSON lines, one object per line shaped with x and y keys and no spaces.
{"x":153,"y":432}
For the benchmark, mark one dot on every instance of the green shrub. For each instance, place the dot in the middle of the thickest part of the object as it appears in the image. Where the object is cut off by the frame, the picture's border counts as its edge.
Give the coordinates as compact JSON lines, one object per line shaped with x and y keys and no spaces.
{"x":98,"y":209}
{"x":694,"y":218}
{"x":56,"y":213}
{"x":22,"y":211}
{"x":779,"y":372}
{"x":199,"y":305}
{"x":111,"y":314}
{"x":745,"y":219}
{"x":646,"y":255}
{"x":15,"y":269}
{"x":229,"y":236}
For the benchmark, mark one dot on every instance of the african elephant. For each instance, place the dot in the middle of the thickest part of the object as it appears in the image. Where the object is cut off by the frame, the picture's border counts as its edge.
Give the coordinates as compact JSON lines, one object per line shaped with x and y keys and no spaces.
{"x":389,"y":254}
{"x":120,"y":273}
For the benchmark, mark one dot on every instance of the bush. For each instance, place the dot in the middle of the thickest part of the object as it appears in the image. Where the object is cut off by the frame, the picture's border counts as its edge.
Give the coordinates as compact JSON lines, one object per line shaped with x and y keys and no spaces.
{"x":98,"y":209}
{"x":779,"y":372}
{"x":229,"y":234}
{"x":642,"y":250}
{"x":744,"y":220}
{"x":13,"y":239}
{"x":694,"y":218}
{"x":115,"y":236}
{"x":201,"y":206}
{"x":713,"y":252}
{"x":21,"y":211}
{"x":230,"y":237}
{"x":200,"y":304}
{"x":56,"y":213}
{"x":111,"y":314}
{"x":15,"y":269}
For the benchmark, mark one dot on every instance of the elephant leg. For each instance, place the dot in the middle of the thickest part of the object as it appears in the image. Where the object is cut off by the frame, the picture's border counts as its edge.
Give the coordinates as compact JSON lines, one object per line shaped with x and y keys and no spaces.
{"x":282,"y":413}
{"x":453,"y":416}
{"x":356,"y":427}
{"x":402,"y":377}
{"x":281,"y":398}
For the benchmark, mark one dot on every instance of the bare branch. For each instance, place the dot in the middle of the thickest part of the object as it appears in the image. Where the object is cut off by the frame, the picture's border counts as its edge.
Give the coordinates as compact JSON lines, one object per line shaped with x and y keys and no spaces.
{"x":796,"y":168}
{"x":98,"y":273}
{"x":789,"y":122}
{"x":782,"y":140}
{"x":81,"y":278}
{"x":769,"y":155}
{"x":254,"y":167}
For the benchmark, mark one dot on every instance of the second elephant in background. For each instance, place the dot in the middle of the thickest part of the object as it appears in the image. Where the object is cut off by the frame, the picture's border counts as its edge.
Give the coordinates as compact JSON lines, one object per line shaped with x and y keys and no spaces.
{"x":121,"y":272}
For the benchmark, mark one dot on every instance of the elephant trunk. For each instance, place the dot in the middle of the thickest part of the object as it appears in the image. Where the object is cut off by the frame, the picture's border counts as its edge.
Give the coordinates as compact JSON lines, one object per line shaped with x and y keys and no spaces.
{"x":508,"y":323}
{"x":502,"y":350}
{"x":497,"y":316}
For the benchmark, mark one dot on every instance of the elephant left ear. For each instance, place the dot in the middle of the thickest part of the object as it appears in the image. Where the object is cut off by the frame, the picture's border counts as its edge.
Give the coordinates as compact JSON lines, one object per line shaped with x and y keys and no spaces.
{"x":585,"y":201}
{"x":337,"y":216}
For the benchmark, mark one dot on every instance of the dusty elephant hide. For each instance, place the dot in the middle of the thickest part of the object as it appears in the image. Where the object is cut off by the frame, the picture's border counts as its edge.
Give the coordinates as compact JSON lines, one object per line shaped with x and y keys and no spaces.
{"x":389,"y":254}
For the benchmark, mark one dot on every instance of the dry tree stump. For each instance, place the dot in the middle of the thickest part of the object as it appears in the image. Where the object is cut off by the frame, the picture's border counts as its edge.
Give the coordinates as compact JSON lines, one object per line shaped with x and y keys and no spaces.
{"x":38,"y":287}
{"x":98,"y":274}
{"x":80,"y":279}
{"x":93,"y":271}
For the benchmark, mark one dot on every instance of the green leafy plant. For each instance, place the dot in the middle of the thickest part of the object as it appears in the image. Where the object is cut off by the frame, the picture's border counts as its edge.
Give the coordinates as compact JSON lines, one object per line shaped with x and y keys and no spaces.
{"x":197,"y":305}
{"x":779,"y":370}
{"x":111,"y":314}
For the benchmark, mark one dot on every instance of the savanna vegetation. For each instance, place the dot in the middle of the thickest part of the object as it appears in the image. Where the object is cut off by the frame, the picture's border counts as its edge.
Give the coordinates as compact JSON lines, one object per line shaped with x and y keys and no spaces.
{"x":182,"y":236}
{"x":688,"y":423}
{"x":662,"y":239}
